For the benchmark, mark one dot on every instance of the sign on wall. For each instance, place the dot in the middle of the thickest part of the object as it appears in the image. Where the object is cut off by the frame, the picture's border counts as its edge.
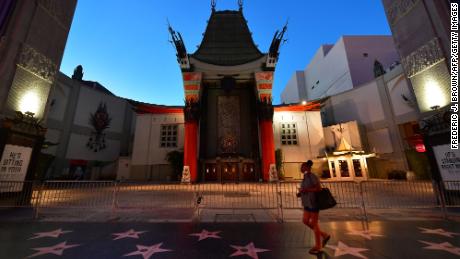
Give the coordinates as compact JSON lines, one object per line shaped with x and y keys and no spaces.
{"x":448,"y":161}
{"x":13,"y":166}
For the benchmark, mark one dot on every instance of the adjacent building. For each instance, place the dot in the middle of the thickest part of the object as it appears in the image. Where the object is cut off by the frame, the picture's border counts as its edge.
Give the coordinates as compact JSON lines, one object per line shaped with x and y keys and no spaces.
{"x":33,"y":35}
{"x":421,"y":30}
{"x":89,"y":128}
{"x":340,"y":67}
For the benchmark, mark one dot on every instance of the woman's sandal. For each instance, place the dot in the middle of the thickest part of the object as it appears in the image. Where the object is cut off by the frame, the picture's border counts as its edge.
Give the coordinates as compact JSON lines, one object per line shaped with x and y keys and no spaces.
{"x":325,"y":240}
{"x":315,"y":251}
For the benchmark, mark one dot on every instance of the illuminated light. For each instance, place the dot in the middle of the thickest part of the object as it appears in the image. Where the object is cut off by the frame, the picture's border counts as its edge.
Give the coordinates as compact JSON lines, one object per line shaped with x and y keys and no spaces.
{"x":434,"y":95}
{"x":304,"y":102}
{"x":30,"y":102}
{"x":420,"y":148}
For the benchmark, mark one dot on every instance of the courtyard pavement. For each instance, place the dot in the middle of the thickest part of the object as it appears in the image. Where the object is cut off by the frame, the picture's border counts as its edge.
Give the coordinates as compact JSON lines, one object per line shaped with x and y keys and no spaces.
{"x":350,"y":239}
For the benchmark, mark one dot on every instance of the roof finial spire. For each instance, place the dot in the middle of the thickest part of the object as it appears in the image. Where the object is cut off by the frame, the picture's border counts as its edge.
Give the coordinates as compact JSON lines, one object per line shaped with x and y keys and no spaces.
{"x":240,"y":4}
{"x":213,"y":5}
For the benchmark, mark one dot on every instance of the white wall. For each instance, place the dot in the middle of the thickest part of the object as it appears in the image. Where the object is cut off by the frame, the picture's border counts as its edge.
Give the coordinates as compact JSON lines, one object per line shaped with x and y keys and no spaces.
{"x":396,"y":88}
{"x":54,"y":136}
{"x":349,"y":131}
{"x":88,"y":103}
{"x":147,"y":150}
{"x":60,"y":94}
{"x":77,"y":149}
{"x":377,"y":47}
{"x":380,"y":141}
{"x":361,"y":104}
{"x":328,"y":72}
{"x":290,"y":93}
{"x":309,"y":134}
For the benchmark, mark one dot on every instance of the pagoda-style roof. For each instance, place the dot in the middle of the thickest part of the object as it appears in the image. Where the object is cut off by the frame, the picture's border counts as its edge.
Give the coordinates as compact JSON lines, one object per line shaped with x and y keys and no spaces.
{"x":227,"y":41}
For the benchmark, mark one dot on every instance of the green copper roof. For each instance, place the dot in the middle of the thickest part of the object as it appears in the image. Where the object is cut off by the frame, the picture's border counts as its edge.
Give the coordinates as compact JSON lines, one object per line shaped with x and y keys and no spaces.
{"x":227,"y":41}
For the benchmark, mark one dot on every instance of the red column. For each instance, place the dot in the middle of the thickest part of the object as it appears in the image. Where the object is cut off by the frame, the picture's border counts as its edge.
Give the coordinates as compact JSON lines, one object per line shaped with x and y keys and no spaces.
{"x":190,"y":148}
{"x":268,"y":147}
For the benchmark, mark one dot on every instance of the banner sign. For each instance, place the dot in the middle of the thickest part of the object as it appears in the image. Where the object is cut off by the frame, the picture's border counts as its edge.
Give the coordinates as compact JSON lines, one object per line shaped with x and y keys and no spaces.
{"x":448,"y":161}
{"x":13,"y":167}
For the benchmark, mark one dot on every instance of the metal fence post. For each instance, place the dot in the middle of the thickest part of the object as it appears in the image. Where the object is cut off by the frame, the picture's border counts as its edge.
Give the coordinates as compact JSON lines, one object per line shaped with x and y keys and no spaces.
{"x":39,"y":197}
{"x":114,"y":199}
{"x":363,"y":204}
{"x":442,"y":198}
{"x":280,"y":202}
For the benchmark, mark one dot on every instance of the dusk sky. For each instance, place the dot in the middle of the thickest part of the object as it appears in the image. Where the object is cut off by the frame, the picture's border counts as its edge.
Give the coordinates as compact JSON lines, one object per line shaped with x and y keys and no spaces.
{"x":124,"y":44}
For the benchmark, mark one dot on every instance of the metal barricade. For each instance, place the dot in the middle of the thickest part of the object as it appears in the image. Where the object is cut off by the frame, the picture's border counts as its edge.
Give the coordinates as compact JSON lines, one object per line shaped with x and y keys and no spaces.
{"x":451,"y":193}
{"x":15,"y":194}
{"x":155,"y":195}
{"x":77,"y":194}
{"x":239,"y":196}
{"x":398,"y":194}
{"x":346,"y":193}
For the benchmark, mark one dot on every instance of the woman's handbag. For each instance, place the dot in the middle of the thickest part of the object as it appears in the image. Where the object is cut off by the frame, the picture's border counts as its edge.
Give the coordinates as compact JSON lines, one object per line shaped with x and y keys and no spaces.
{"x":324,"y":199}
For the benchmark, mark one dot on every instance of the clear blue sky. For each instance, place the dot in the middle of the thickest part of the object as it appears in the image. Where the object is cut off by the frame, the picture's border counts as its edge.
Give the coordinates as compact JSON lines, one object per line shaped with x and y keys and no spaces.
{"x":124,"y":44}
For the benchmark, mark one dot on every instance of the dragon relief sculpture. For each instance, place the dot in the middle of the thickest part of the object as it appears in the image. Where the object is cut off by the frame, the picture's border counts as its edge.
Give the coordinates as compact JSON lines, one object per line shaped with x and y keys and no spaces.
{"x":100,"y":121}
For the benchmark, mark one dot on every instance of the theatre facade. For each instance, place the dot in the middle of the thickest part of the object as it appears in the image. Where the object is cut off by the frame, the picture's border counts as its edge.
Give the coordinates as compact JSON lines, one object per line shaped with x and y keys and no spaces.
{"x":228,"y":128}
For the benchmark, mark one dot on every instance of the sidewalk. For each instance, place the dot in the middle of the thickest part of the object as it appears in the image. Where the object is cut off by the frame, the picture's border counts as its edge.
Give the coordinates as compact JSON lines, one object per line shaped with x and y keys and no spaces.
{"x":350,"y":239}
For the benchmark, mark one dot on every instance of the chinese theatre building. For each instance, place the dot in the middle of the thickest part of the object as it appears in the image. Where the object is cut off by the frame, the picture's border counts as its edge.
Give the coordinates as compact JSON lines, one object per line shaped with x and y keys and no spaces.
{"x":228,"y":83}
{"x":226,"y":124}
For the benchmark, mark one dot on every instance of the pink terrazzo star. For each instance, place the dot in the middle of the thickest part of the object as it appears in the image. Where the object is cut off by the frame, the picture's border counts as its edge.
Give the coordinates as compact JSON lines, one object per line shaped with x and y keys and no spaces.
{"x":206,"y":234}
{"x":249,"y":250}
{"x":128,"y":234}
{"x":54,"y":233}
{"x":147,"y":251}
{"x":446,"y":246}
{"x":56,"y":249}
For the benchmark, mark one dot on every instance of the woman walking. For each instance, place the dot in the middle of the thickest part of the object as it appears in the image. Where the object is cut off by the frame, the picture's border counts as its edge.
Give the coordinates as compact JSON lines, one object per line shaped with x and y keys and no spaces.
{"x":308,"y":189}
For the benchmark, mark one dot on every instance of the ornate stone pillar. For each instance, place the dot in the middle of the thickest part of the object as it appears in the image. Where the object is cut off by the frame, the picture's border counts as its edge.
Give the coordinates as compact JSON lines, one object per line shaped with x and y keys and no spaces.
{"x":192,"y":84}
{"x":264,"y":81}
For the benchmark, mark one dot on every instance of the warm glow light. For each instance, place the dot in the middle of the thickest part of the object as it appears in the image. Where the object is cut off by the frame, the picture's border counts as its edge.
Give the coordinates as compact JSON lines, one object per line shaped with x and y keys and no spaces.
{"x":29,"y":103}
{"x":304,"y":102}
{"x":434,"y":96}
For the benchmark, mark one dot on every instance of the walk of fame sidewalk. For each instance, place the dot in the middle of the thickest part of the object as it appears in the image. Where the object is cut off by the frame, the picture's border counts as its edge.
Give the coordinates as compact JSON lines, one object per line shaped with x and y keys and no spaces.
{"x":350,"y":239}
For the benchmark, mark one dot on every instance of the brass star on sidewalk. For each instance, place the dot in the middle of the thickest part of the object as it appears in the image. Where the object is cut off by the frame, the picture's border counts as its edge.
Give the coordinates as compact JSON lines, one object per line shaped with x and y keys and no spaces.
{"x":56,"y":249}
{"x":446,"y":246}
{"x":130,"y":233}
{"x":206,"y":234}
{"x":438,"y":231}
{"x":249,"y":250}
{"x":343,"y":249}
{"x":54,"y":233}
{"x":367,"y":234}
{"x":147,"y":251}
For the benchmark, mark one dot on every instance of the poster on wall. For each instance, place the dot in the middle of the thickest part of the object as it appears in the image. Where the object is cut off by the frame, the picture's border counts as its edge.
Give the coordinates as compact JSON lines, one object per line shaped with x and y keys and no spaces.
{"x":13,"y":167}
{"x":448,"y":161}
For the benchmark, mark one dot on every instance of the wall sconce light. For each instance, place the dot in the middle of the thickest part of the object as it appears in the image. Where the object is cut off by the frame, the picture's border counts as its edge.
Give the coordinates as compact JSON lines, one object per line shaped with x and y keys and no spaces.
{"x":29,"y":103}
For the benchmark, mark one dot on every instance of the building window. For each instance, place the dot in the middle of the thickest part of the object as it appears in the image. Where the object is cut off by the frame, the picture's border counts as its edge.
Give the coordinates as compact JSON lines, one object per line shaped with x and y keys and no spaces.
{"x":357,"y":167}
{"x":288,"y":134}
{"x":343,"y":165}
{"x":334,"y":174}
{"x":168,"y":136}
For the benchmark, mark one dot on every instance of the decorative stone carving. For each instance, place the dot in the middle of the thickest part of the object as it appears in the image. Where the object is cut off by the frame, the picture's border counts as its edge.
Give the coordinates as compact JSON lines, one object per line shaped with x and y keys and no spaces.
{"x":37,"y":63}
{"x":437,"y":123}
{"x":265,"y":109}
{"x":228,"y":123}
{"x":273,"y":174}
{"x":57,"y":8}
{"x":186,"y":175}
{"x":399,"y":8}
{"x":423,"y":58}
{"x":100,"y":121}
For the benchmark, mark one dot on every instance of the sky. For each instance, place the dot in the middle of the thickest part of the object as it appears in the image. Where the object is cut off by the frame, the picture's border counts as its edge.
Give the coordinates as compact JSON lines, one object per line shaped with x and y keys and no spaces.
{"x":126,"y":47}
